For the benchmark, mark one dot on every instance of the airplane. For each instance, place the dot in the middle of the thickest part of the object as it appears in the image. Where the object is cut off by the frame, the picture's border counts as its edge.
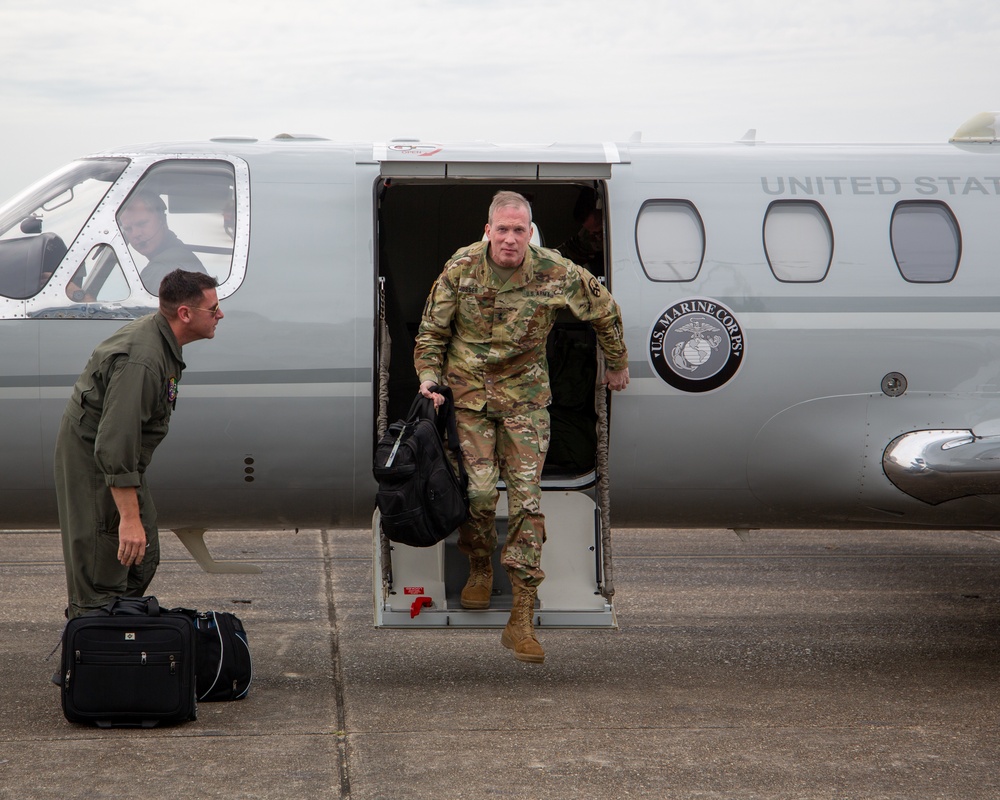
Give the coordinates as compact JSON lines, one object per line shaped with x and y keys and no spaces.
{"x":813,"y":333}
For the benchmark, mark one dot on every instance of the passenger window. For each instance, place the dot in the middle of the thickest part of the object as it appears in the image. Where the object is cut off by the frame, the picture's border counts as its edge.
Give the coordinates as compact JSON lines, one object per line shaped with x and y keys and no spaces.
{"x":798,"y":241}
{"x":181,"y":215}
{"x":926,"y":241}
{"x":670,"y":240}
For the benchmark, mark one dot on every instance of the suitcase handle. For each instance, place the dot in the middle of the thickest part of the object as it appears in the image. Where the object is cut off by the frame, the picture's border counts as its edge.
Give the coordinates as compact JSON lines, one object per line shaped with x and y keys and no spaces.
{"x":133,"y":606}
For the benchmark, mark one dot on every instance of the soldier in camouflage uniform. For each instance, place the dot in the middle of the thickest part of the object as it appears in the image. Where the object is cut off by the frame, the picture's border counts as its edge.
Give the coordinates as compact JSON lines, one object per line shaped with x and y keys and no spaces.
{"x":483,"y":334}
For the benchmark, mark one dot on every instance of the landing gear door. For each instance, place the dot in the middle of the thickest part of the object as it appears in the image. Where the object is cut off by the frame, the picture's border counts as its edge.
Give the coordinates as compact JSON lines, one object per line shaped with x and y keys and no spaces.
{"x":430,"y":202}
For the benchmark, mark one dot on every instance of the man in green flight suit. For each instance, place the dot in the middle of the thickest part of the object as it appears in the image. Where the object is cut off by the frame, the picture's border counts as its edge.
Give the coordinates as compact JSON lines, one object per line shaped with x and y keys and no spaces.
{"x":483,"y":334}
{"x":117,"y":415}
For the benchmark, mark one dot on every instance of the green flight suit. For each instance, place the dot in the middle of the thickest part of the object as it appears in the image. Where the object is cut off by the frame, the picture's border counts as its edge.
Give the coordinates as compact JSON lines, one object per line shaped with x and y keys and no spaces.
{"x":117,"y":415}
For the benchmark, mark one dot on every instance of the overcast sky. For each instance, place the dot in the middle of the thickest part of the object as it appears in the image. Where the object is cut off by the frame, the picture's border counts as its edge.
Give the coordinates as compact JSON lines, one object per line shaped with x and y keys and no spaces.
{"x":77,"y":76}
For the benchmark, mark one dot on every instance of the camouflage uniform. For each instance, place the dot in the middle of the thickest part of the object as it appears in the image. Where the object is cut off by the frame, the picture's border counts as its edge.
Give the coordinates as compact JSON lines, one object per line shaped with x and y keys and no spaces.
{"x":486,"y":340}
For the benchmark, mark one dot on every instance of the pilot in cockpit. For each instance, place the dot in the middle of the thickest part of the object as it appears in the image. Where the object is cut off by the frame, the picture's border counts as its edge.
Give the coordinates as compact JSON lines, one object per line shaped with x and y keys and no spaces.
{"x":143,"y":221}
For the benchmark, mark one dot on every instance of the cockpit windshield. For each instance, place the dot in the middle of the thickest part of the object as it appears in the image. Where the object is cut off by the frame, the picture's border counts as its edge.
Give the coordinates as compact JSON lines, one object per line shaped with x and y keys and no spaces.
{"x":61,"y":203}
{"x":38,"y":225}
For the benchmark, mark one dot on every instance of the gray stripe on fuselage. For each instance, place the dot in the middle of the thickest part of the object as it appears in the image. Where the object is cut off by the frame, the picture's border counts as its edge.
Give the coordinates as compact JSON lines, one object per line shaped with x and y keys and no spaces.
{"x":348,"y":375}
{"x":855,"y":305}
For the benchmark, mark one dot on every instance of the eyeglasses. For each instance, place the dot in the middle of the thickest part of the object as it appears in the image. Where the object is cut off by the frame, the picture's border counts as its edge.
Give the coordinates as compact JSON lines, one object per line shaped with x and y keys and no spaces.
{"x":214,"y":310}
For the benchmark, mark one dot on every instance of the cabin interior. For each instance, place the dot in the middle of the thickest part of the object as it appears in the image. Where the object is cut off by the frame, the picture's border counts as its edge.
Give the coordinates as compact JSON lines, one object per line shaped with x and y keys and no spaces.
{"x":421,"y":224}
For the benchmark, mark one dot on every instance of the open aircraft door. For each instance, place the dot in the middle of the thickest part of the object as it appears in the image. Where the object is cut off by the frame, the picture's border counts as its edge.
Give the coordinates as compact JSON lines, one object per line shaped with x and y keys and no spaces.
{"x":429,"y":202}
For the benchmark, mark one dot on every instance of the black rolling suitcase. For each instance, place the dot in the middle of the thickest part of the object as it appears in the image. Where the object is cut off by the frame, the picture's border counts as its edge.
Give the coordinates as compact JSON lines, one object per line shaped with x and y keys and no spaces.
{"x":129,"y":664}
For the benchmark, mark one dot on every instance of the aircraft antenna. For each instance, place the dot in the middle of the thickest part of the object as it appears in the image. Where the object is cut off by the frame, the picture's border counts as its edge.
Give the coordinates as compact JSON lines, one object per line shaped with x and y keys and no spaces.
{"x":983,"y":128}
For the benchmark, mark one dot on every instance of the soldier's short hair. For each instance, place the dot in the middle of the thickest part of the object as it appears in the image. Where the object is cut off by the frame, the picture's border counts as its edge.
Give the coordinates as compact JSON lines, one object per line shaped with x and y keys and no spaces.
{"x":180,"y":288}
{"x":505,"y":199}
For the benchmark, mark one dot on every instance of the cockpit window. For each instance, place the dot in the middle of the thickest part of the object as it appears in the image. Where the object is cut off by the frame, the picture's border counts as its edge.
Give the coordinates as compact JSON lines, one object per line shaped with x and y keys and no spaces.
{"x":181,"y":215}
{"x":38,"y":226}
{"x":99,"y":278}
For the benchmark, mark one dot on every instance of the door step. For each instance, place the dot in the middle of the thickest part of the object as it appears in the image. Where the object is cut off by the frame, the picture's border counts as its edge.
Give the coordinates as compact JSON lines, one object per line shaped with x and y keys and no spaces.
{"x":422,"y":587}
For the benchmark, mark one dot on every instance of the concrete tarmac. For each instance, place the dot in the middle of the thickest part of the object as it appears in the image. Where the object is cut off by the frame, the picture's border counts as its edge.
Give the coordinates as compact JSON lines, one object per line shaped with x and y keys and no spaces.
{"x":799,"y":664}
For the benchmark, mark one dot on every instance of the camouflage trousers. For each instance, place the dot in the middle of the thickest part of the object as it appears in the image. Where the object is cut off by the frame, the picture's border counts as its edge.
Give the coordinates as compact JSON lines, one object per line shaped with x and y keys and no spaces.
{"x":511,"y":447}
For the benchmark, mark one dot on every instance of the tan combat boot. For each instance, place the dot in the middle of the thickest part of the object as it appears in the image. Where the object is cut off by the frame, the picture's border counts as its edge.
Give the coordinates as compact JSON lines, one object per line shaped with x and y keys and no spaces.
{"x":479,"y":588}
{"x":519,"y":635}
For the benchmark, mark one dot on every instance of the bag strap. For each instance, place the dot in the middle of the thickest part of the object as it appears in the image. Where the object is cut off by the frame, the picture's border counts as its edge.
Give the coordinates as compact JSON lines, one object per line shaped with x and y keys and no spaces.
{"x":423,"y":407}
{"x":137,"y":606}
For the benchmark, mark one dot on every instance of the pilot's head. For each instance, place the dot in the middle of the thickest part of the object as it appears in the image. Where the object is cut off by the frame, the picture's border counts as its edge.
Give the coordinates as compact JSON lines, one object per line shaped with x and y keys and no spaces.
{"x":509,"y":229}
{"x":143,"y":221}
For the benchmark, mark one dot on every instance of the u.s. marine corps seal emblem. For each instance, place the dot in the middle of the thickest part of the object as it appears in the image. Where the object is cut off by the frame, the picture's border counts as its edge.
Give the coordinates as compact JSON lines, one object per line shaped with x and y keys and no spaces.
{"x":696,"y":345}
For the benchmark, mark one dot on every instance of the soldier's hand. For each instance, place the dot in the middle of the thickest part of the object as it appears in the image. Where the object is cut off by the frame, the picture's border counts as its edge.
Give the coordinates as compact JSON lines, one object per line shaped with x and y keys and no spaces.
{"x":616,"y":379}
{"x":425,"y":390}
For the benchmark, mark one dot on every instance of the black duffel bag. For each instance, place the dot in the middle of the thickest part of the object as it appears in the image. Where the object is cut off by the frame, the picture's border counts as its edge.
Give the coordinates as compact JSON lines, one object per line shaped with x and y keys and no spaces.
{"x":224,"y":668}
